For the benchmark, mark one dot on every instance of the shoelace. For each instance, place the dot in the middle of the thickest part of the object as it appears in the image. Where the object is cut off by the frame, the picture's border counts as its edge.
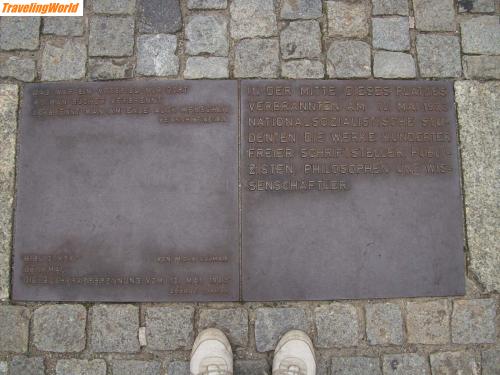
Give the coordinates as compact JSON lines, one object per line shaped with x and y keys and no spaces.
{"x":291,"y":370}
{"x":216,"y":370}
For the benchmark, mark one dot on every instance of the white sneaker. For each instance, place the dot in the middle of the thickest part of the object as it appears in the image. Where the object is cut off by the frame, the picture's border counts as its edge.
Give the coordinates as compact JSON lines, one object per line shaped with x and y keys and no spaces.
{"x":211,"y":354}
{"x":294,"y":355}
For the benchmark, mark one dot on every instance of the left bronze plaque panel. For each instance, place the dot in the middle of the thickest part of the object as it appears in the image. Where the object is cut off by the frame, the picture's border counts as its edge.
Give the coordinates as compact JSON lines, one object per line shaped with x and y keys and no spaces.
{"x":127,"y":192}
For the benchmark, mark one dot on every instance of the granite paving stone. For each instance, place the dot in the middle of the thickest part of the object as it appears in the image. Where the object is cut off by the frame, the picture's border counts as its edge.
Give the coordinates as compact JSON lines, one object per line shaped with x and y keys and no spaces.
{"x":14,"y":324}
{"x":481,"y":35}
{"x":65,"y":26}
{"x":473,"y":321}
{"x":134,"y":367}
{"x":156,"y":55}
{"x":207,"y":34}
{"x":111,"y":36}
{"x":178,"y":368}
{"x":478,"y":116}
{"x":19,"y":68}
{"x":170,"y":328}
{"x":297,"y":69}
{"x":476,"y":6}
{"x":348,"y":19}
{"x":107,"y":69}
{"x":301,"y":9}
{"x":22,"y":365}
{"x":438,"y":55}
{"x":252,"y":367}
{"x":114,"y":6}
{"x":256,"y":58}
{"x":301,"y":39}
{"x":159,"y":16}
{"x":81,"y":367}
{"x":207,"y":4}
{"x":490,"y":361}
{"x":384,"y":324}
{"x":252,"y":18}
{"x":428,"y":322}
{"x":63,"y":60}
{"x":393,"y":65}
{"x":337,"y":325}
{"x":481,"y":67}
{"x":463,"y":363}
{"x":206,"y":67}
{"x":272,"y":323}
{"x":114,"y":328}
{"x":233,"y":322}
{"x":405,"y":364}
{"x":19,"y":33}
{"x":391,"y":33}
{"x":59,"y":328}
{"x":349,"y":59}
{"x":8,"y":131}
{"x":390,"y":7}
{"x":434,"y":15}
{"x":355,"y":366}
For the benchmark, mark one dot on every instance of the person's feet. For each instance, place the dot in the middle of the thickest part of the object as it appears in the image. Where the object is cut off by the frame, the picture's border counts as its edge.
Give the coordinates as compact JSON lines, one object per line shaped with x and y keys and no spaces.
{"x":211,"y":354}
{"x":294,"y":355}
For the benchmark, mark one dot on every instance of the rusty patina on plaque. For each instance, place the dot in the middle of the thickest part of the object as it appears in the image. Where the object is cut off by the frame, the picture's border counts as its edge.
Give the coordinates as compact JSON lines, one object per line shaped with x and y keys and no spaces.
{"x":128,"y":192}
{"x":350,"y":189}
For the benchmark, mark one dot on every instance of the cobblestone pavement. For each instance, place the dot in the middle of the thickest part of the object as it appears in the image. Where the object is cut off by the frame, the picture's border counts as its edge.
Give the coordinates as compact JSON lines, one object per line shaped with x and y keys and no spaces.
{"x":129,"y":39}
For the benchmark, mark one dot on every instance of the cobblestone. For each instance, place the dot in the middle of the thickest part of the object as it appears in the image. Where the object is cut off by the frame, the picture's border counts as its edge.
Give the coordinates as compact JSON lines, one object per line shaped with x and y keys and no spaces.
{"x":156,"y":55}
{"x":159,"y":16}
{"x":134,"y":367}
{"x":66,"y":26}
{"x":207,"y":4}
{"x":439,"y":55}
{"x":434,"y":15}
{"x":301,"y":39}
{"x":272,"y":323}
{"x":207,"y":34}
{"x":390,"y":7}
{"x":301,"y":9}
{"x":481,"y":67}
{"x":355,"y":366}
{"x":206,"y":67}
{"x":350,"y":20}
{"x":473,"y":321}
{"x":256,"y":58}
{"x":384,"y":324}
{"x":81,"y":367}
{"x":19,"y":68}
{"x":302,"y":69}
{"x":477,"y":6}
{"x":348,"y":59}
{"x":252,"y":367}
{"x":490,"y":362}
{"x":463,"y":363}
{"x":169,"y":328}
{"x":111,"y":36}
{"x":481,"y":35}
{"x":405,"y":364}
{"x":252,"y":18}
{"x":391,"y":33}
{"x":178,"y":368}
{"x":393,"y":65}
{"x":233,"y":322}
{"x":104,"y":69}
{"x":114,"y":328}
{"x":19,"y":33}
{"x":428,"y":322}
{"x":22,"y":365}
{"x":337,"y":325}
{"x":14,"y":326}
{"x":59,"y":328}
{"x":63,"y":61}
{"x":114,"y":6}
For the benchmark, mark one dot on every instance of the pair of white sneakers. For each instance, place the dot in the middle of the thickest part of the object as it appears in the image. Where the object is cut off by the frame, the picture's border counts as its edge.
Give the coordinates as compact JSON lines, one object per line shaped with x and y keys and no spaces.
{"x":212,"y":354}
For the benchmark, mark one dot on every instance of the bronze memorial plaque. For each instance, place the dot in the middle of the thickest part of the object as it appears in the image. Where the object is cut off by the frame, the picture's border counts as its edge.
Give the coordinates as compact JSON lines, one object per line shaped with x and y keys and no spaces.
{"x":164,"y":190}
{"x":350,"y":189}
{"x":128,"y":192}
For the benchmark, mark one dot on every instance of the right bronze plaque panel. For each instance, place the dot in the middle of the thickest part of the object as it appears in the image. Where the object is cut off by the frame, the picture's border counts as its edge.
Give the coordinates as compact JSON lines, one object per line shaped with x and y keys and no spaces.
{"x":350,"y":189}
